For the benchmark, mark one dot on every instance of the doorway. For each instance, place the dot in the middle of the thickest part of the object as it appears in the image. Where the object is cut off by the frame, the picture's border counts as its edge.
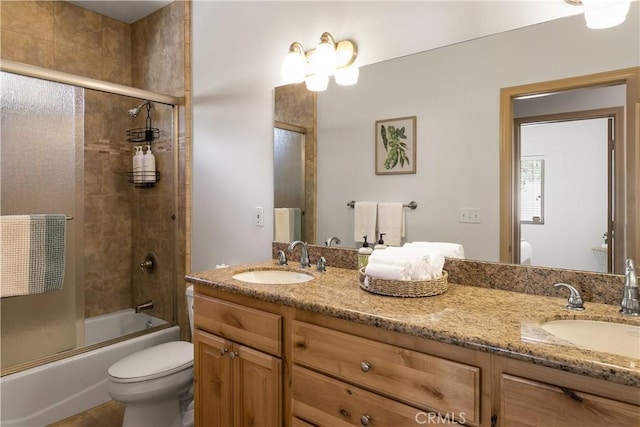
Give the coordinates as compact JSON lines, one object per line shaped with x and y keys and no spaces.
{"x":627,"y":154}
{"x":566,"y":167}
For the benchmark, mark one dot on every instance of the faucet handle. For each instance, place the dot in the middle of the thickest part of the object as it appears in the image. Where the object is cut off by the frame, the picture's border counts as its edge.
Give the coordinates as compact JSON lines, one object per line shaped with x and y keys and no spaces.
{"x":282,"y":258}
{"x":321,"y":265}
{"x":575,"y":300}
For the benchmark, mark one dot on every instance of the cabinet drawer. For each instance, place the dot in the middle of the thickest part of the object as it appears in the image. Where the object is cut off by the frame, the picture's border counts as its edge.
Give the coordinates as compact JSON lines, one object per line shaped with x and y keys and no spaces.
{"x":254,"y":328}
{"x":416,"y":378}
{"x":525,"y":402}
{"x":325,"y":401}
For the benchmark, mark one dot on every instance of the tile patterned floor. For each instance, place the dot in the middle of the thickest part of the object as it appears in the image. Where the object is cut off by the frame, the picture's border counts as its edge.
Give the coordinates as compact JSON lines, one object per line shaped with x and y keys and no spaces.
{"x":108,"y":414}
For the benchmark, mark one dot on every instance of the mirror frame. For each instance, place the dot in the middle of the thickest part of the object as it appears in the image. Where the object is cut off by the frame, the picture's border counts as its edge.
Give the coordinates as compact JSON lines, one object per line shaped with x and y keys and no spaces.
{"x":508,"y":221}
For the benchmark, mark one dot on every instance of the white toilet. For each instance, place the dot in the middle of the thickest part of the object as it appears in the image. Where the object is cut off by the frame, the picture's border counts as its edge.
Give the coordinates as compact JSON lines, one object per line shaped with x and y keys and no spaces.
{"x":156,"y":384}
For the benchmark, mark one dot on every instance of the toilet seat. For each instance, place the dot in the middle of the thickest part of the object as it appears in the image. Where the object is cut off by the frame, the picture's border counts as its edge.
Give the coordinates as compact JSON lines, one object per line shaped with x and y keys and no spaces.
{"x":154,"y":362}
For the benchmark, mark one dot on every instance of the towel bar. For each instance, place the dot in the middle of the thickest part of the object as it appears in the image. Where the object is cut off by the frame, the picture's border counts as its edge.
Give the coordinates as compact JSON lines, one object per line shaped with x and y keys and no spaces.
{"x":411,"y":205}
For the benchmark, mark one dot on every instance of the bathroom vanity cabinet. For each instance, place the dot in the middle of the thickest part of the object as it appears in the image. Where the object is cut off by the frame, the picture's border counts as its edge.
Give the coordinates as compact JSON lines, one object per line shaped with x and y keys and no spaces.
{"x":528,"y":395}
{"x":281,"y":358}
{"x":237,"y":365}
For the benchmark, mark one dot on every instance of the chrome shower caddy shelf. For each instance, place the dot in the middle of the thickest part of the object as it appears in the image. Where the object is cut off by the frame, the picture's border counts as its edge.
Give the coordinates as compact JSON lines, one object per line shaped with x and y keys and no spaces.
{"x":143,"y":134}
{"x":144,"y":179}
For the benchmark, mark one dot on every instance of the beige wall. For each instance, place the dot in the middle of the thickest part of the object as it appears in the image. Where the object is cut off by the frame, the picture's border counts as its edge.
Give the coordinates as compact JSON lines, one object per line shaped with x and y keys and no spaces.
{"x":122,"y":223}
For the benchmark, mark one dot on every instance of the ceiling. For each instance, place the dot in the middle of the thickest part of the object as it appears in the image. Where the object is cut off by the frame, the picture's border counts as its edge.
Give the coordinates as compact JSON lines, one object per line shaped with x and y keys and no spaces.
{"x":419,"y":25}
{"x":123,"y":10}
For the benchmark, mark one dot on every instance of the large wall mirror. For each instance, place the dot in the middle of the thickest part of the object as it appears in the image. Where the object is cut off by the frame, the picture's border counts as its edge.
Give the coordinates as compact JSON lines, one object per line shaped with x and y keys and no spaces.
{"x":455,"y":94}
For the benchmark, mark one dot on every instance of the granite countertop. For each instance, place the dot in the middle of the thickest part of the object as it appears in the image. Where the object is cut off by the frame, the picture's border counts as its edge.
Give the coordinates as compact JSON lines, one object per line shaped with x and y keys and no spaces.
{"x":491,"y":320}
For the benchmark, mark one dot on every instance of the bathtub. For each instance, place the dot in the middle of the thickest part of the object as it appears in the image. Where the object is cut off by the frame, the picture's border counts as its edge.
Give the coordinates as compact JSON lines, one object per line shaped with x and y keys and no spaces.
{"x":51,"y":392}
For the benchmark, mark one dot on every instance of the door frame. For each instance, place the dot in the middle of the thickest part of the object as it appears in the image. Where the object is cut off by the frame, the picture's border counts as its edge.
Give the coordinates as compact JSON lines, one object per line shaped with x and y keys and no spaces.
{"x":631,"y":147}
{"x":615,"y":179}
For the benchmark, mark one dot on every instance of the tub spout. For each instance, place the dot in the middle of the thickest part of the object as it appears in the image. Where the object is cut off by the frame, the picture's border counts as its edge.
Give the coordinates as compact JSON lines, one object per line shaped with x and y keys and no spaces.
{"x":144,"y":306}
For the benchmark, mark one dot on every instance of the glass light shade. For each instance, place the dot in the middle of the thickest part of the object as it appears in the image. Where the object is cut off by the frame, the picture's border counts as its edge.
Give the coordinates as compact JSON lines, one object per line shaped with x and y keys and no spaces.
{"x":347,"y":76}
{"x":323,"y":60}
{"x":317,"y":82}
{"x":294,"y":67}
{"x":601,"y":14}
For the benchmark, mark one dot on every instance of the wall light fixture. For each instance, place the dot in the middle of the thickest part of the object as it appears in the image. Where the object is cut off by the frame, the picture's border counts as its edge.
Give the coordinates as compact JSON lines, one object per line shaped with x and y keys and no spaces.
{"x":329,"y":58}
{"x":601,"y":14}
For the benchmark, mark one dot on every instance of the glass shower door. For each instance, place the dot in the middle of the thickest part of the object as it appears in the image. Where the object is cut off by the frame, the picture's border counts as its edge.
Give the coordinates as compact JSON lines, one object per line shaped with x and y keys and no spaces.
{"x":41,"y":172}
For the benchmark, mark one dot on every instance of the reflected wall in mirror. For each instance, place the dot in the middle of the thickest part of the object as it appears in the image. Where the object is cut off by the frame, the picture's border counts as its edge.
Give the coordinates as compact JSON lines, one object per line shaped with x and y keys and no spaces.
{"x":295,"y":175}
{"x":455,"y":93}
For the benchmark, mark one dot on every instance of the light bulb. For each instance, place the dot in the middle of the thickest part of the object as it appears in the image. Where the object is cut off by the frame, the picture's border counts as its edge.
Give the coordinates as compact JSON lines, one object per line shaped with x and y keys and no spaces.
{"x":323,"y":60}
{"x":317,"y":82}
{"x":347,"y":76}
{"x":294,"y":67}
{"x":601,"y":14}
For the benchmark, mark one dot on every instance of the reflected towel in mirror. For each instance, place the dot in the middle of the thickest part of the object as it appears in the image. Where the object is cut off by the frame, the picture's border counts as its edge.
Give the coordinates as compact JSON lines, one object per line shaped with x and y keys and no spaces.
{"x":365,"y":215}
{"x":391,"y":222}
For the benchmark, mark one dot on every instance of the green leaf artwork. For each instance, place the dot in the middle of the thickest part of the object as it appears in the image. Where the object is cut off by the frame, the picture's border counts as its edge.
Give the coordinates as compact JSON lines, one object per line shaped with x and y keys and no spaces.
{"x":395,"y":148}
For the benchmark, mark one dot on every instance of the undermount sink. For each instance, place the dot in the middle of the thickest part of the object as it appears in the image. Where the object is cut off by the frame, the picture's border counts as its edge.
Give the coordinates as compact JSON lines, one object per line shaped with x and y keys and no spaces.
{"x":273,"y":277}
{"x":608,"y":337}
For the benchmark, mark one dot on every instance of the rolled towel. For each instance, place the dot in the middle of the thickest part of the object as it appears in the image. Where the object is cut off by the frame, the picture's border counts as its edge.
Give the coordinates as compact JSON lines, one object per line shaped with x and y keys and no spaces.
{"x":450,"y":250}
{"x":389,"y":272}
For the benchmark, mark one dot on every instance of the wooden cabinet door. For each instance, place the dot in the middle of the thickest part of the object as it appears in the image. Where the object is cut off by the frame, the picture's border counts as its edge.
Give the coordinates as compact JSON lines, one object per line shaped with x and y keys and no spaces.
{"x":530,"y":403}
{"x":212,"y":380}
{"x":257,"y":388}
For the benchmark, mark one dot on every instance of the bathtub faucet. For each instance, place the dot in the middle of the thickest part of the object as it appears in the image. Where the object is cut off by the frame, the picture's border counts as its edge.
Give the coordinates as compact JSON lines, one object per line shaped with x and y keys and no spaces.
{"x":144,"y":306}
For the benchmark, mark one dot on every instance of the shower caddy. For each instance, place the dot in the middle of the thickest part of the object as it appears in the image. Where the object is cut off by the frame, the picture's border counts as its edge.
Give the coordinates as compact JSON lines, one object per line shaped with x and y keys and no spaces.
{"x":146,"y":135}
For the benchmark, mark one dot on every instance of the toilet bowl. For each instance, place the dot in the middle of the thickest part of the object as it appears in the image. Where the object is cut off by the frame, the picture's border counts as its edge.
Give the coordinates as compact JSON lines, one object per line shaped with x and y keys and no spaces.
{"x":156,"y":384}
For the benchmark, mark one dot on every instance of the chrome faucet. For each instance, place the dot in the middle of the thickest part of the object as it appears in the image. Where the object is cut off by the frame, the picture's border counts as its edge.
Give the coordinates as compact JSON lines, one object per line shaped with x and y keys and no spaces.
{"x":304,"y":256}
{"x":144,"y":306}
{"x":331,"y":240}
{"x":575,"y":300}
{"x":630,"y":304}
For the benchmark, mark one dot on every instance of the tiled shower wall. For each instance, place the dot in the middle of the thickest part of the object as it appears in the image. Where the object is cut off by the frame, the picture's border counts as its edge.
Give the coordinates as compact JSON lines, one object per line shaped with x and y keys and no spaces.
{"x":121,"y":223}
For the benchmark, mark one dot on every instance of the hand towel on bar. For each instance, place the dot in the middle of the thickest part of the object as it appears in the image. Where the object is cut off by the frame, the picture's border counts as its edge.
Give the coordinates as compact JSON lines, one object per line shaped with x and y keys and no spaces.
{"x":295,"y":215}
{"x":283,"y":225}
{"x":391,"y":222}
{"x":32,"y":253}
{"x":365,"y":215}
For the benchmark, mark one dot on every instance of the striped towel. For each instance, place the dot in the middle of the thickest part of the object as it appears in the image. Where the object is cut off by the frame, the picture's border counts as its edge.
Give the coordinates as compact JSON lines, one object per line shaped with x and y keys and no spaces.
{"x":32,"y":254}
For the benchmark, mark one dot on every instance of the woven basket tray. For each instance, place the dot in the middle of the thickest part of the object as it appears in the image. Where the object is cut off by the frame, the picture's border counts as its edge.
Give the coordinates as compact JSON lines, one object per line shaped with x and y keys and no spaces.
{"x":404,"y":288}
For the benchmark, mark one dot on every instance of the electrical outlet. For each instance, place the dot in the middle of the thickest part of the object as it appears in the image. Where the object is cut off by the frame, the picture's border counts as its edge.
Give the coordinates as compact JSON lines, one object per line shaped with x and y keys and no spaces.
{"x":259,"y":217}
{"x":470,"y":215}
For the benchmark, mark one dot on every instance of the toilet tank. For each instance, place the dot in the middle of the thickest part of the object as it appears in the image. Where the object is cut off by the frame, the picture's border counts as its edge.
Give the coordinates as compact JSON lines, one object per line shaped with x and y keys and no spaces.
{"x":189,"y":293}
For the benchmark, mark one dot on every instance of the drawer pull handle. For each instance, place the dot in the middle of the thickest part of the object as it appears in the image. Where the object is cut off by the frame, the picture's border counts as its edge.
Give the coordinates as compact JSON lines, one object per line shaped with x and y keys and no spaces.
{"x":233,"y":354}
{"x":365,"y":366}
{"x":223,"y":351}
{"x":365,"y":420}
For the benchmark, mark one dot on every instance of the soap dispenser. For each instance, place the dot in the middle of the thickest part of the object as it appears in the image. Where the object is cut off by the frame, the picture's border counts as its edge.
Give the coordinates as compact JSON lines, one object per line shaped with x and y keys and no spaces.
{"x":380,"y":244}
{"x":137,"y":165}
{"x":363,"y":254}
{"x":149,"y":166}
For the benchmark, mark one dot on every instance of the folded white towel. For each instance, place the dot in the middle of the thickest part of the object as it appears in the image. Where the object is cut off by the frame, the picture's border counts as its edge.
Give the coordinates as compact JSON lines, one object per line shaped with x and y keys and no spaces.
{"x":391,"y":222}
{"x":389,"y":272}
{"x":450,"y":250}
{"x":365,"y":215}
{"x":423,"y":264}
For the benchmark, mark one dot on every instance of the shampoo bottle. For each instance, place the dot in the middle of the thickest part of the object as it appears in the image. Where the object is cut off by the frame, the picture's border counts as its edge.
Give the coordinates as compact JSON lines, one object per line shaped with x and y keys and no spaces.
{"x":363,"y":254}
{"x":380,"y":244}
{"x":137,"y":165}
{"x":149,"y":166}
